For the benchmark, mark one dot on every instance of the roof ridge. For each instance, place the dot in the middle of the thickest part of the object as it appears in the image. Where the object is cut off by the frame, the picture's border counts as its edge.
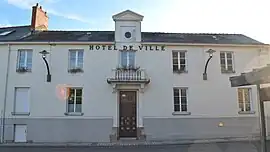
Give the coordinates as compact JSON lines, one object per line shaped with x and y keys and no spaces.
{"x":73,"y":31}
{"x":194,"y":33}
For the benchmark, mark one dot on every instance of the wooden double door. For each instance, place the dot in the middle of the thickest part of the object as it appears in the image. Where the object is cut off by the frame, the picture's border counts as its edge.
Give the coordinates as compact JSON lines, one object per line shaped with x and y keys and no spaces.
{"x":127,"y":114}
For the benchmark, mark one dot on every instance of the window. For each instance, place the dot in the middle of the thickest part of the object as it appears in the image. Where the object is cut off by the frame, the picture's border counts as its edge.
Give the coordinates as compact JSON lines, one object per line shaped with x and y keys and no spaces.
{"x":24,"y":61}
{"x":75,"y":60}
{"x":179,"y":61}
{"x":21,"y":103}
{"x":6,"y":33}
{"x":244,"y":99}
{"x":226,"y":62}
{"x":180,"y":99}
{"x":128,"y":58}
{"x":74,"y":100}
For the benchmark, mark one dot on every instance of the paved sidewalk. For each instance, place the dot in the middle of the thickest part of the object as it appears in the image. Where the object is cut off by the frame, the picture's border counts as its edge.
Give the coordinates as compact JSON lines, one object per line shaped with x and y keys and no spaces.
{"x":137,"y":143}
{"x":247,"y":146}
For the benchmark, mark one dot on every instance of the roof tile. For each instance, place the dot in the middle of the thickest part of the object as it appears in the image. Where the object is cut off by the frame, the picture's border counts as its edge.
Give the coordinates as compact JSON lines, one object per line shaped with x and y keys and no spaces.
{"x":108,"y":36}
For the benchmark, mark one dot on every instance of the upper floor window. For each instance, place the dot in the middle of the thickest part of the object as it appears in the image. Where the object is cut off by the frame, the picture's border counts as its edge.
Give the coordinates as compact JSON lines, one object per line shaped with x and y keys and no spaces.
{"x":226,"y":62}
{"x":24,"y":61}
{"x":244,"y":99}
{"x":127,"y":59}
{"x":179,"y":61}
{"x":74,"y":104}
{"x":75,"y":61}
{"x":180,"y":99}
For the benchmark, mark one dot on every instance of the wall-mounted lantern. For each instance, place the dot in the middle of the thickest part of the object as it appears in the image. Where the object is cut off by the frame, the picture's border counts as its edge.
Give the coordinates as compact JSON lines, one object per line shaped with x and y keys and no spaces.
{"x":210,"y":52}
{"x":44,"y":55}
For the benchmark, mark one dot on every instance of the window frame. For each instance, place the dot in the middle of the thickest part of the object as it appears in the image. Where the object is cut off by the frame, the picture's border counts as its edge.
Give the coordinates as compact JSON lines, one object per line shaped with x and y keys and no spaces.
{"x":77,"y":68}
{"x":24,"y":68}
{"x":15,"y":112}
{"x":127,"y":59}
{"x":180,"y":112}
{"x":179,"y":61}
{"x":244,"y":101}
{"x":226,"y":62}
{"x":80,"y":113}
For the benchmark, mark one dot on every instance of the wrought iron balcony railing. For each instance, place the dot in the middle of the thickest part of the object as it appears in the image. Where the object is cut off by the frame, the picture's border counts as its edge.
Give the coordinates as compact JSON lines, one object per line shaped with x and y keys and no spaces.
{"x":129,"y":75}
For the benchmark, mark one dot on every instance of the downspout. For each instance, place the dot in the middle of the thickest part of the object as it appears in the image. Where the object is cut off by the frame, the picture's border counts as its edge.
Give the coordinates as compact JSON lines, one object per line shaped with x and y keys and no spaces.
{"x":5,"y":97}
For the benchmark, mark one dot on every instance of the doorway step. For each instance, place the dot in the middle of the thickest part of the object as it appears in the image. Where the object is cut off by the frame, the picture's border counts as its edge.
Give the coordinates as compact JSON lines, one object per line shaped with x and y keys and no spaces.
{"x":141,"y":137}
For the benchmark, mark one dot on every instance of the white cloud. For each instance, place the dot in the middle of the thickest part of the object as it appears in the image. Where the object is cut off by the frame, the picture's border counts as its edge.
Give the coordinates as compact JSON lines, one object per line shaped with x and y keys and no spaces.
{"x":5,"y":25}
{"x":68,"y":16}
{"x":23,"y":4}
{"x":27,"y":4}
{"x":211,"y":16}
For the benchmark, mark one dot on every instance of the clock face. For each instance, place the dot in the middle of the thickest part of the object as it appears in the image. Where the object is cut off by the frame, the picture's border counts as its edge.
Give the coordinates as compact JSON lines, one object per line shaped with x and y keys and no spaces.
{"x":128,"y":35}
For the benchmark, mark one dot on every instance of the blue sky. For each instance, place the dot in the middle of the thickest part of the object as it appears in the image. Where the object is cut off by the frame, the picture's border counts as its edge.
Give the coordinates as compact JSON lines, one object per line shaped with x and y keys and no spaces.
{"x":249,"y":17}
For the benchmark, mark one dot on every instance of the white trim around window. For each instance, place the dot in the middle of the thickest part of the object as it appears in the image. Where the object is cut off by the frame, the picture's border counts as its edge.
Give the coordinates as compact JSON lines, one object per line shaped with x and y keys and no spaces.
{"x":180,"y":101}
{"x":127,"y":58}
{"x":21,"y":101}
{"x":74,"y":101}
{"x":245,"y":102}
{"x":227,"y":62}
{"x":179,"y":61}
{"x":24,"y":60}
{"x":75,"y":60}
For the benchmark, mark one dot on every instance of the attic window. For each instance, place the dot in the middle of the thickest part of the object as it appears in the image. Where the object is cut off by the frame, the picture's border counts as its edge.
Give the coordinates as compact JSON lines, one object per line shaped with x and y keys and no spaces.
{"x":214,"y":37}
{"x":6,"y":33}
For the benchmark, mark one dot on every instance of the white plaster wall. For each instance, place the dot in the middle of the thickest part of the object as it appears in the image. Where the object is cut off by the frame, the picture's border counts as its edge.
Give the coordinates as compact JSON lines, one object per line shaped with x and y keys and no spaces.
{"x":98,"y":100}
{"x":118,"y":32}
{"x":211,"y":98}
{"x":3,"y":68}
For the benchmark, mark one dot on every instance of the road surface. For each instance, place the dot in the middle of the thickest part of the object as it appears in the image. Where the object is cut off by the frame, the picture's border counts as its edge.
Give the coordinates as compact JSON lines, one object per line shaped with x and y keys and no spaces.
{"x":210,"y":147}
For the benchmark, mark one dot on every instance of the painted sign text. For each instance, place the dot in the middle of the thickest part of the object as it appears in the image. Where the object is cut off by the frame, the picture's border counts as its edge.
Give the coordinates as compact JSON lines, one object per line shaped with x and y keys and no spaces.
{"x":128,"y":47}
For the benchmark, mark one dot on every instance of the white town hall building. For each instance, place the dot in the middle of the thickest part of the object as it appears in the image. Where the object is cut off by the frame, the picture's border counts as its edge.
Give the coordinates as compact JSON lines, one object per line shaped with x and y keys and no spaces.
{"x":109,"y":85}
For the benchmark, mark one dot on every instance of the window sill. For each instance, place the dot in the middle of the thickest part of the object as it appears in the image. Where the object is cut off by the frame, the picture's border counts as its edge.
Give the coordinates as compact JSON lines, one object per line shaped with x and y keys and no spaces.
{"x":179,"y":72}
{"x":74,"y":71}
{"x":246,"y":112}
{"x":181,"y":113}
{"x":23,"y":71}
{"x":20,"y":113}
{"x":227,"y":72}
{"x":74,"y":113}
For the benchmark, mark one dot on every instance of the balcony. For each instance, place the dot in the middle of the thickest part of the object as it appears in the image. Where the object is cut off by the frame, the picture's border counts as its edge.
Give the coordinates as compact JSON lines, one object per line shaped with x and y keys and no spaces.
{"x":128,"y":76}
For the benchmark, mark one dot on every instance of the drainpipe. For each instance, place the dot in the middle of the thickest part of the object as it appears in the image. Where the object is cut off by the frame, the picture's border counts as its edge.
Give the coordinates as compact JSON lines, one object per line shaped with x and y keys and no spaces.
{"x":5,"y":98}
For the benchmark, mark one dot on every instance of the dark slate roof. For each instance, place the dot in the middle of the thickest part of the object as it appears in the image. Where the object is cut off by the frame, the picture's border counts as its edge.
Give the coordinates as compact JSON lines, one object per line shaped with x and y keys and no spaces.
{"x":198,"y":38}
{"x":16,"y":32}
{"x":108,"y":36}
{"x":65,"y":36}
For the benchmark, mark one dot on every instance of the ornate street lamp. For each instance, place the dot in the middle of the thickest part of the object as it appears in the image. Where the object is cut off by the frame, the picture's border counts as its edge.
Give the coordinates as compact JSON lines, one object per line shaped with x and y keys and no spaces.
{"x":44,"y":55}
{"x":210,"y":52}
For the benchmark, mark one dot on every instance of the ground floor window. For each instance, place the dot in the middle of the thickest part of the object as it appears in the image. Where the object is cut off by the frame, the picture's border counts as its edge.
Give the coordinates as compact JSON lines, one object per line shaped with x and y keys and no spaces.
{"x":74,"y":103}
{"x":244,"y":99}
{"x":180,"y":99}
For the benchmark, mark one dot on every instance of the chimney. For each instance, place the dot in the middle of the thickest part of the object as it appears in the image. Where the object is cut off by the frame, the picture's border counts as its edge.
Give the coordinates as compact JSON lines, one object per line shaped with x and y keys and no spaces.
{"x":39,"y":19}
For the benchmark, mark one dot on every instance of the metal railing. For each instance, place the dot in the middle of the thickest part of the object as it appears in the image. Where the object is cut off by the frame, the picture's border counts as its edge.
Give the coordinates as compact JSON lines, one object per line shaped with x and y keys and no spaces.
{"x":129,"y":75}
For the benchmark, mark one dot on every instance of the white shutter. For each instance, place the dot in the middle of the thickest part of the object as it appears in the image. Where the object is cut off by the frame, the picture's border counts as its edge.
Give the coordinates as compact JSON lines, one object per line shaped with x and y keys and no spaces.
{"x":22,"y":100}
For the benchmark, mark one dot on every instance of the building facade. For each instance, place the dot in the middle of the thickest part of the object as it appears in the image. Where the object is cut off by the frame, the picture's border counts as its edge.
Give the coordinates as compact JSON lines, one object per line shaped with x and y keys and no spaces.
{"x":109,"y":85}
